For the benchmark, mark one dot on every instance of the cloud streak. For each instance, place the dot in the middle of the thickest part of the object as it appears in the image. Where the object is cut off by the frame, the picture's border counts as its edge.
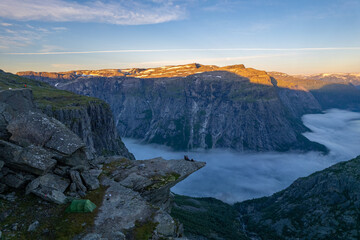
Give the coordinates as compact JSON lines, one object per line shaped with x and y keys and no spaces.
{"x":188,"y":50}
{"x":18,"y":36}
{"x":130,"y":12}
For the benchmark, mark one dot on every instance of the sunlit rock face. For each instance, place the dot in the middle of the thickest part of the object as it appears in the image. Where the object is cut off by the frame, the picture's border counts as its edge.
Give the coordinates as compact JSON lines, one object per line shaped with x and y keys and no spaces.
{"x":201,"y":106}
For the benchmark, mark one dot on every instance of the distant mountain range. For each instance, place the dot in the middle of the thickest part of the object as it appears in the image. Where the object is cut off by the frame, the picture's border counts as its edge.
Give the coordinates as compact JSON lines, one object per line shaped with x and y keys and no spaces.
{"x":353,"y":78}
{"x":203,"y":106}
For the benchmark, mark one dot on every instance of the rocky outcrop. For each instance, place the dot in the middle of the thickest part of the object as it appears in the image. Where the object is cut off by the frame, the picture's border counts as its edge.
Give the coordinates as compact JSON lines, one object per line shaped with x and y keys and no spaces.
{"x":140,"y":193}
{"x":198,"y":106}
{"x":323,"y":205}
{"x":94,"y":124}
{"x":91,"y":119}
{"x":35,"y":146}
{"x":32,"y":159}
{"x":34,"y":128}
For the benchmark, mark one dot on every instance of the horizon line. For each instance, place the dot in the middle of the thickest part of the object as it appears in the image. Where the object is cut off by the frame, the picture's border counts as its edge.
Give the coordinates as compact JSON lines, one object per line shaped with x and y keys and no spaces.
{"x":183,"y":50}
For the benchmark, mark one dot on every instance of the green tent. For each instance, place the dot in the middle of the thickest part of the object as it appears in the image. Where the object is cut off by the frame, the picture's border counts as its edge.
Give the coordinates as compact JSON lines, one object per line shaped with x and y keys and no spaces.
{"x":80,"y":206}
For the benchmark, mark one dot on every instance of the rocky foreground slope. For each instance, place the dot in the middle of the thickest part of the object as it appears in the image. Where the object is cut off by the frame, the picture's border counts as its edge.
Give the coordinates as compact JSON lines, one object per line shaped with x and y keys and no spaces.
{"x":40,"y":156}
{"x":192,"y":106}
{"x":324,"y":205}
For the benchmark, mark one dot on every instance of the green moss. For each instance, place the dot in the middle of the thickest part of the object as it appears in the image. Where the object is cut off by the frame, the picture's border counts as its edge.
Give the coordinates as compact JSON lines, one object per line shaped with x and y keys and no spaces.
{"x":110,"y":167}
{"x":160,"y":181}
{"x":144,"y":231}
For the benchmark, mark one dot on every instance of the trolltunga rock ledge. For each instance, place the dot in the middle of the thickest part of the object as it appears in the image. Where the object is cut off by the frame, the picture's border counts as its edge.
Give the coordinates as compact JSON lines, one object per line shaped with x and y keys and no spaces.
{"x":138,"y":193}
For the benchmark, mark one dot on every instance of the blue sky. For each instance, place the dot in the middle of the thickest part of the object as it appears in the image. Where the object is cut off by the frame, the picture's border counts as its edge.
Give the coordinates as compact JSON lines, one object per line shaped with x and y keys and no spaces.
{"x":276,"y":35}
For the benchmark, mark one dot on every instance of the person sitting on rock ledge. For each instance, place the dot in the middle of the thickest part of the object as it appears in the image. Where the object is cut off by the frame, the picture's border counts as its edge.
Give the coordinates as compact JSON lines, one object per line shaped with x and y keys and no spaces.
{"x":188,"y":159}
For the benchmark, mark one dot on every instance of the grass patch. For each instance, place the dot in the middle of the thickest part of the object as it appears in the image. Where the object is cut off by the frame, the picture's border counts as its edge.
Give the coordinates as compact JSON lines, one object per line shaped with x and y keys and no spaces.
{"x":144,"y":231}
{"x":55,"y":223}
{"x":110,"y":167}
{"x":160,"y":181}
{"x":46,"y":95}
{"x":213,"y":219}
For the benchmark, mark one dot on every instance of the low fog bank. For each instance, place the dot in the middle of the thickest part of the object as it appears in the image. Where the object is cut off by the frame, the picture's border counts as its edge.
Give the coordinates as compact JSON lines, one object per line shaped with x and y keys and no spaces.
{"x":232,"y":176}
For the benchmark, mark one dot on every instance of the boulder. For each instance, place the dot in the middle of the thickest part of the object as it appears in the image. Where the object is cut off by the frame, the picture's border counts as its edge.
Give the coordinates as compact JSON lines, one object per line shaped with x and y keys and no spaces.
{"x":75,"y":177}
{"x":20,"y":100}
{"x":39,"y":129}
{"x":90,"y":181}
{"x":1,"y":164}
{"x":72,"y":187}
{"x":14,"y":180}
{"x":78,"y":158}
{"x":166,"y":227}
{"x":3,"y":187}
{"x":48,"y":181}
{"x":6,"y":114}
{"x":95,"y":172}
{"x":9,"y":151}
{"x":50,"y":194}
{"x":4,"y":171}
{"x":33,"y":226}
{"x":61,"y":170}
{"x":32,"y":159}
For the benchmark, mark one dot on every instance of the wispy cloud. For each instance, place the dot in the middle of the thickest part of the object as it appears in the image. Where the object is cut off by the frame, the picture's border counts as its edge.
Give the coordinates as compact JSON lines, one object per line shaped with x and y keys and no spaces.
{"x":16,"y":36}
{"x":6,"y":24}
{"x":48,"y":48}
{"x":188,"y":50}
{"x":123,"y":12}
{"x":59,"y":29}
{"x":67,"y":66}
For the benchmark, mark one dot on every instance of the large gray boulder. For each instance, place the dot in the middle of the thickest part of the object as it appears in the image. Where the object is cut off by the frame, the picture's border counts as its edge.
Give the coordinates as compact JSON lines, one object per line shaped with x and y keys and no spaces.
{"x":39,"y":129}
{"x":16,"y":179}
{"x":75,"y":177}
{"x":49,"y":187}
{"x":20,"y":100}
{"x":32,"y":159}
{"x":166,"y":227}
{"x":90,"y":181}
{"x":6,"y":114}
{"x":48,"y":181}
{"x":50,"y":194}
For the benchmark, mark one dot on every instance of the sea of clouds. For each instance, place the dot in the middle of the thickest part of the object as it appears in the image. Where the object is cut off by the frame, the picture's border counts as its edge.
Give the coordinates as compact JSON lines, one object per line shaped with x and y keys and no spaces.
{"x":232,"y":176}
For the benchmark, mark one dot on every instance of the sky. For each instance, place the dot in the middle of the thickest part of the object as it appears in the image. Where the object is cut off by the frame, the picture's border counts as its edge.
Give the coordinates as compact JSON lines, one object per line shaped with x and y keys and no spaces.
{"x":296,"y":37}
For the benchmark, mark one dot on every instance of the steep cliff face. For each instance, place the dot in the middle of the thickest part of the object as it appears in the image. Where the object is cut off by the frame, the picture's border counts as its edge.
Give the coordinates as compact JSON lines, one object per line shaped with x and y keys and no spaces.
{"x":91,"y":119}
{"x":94,"y":124}
{"x":194,"y":106}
